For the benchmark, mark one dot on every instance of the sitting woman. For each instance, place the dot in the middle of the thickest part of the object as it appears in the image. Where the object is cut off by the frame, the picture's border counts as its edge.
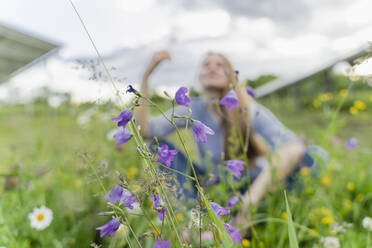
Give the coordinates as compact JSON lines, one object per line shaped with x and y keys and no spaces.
{"x":251,"y":120}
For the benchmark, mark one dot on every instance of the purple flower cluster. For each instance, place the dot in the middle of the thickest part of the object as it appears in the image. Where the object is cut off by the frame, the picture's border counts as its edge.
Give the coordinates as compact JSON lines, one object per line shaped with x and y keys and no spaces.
{"x":234,"y":233}
{"x":181,"y":97}
{"x":109,"y":228}
{"x":230,"y":100}
{"x":351,"y":143}
{"x":166,"y":155}
{"x":232,"y":202}
{"x":251,"y":92}
{"x":236,"y":167}
{"x":117,"y":194}
{"x":201,"y":130}
{"x":123,"y":135}
{"x":161,"y":244}
{"x":218,"y":209}
{"x":159,"y":206}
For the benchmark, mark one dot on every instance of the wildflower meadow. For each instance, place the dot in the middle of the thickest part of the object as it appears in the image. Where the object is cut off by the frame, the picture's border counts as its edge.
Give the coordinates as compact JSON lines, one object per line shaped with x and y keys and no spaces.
{"x":81,"y":174}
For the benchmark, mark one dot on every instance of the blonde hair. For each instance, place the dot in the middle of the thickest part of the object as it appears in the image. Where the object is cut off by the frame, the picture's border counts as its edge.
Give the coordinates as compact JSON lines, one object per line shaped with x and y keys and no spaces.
{"x":242,"y":115}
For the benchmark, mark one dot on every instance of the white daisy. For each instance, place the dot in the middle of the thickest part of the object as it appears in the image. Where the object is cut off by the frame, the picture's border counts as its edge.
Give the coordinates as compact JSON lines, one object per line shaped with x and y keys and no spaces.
{"x":331,"y":242}
{"x":41,"y":218}
{"x":367,"y":223}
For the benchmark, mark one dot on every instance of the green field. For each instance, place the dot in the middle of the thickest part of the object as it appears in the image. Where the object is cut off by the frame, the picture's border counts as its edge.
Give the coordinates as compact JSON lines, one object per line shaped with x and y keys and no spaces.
{"x":48,"y":158}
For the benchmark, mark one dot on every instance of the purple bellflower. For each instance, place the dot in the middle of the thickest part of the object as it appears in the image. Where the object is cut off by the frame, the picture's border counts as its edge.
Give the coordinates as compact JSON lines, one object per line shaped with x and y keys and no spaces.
{"x":114,"y":195}
{"x":230,"y":100}
{"x":122,"y":136}
{"x":128,"y":199}
{"x":351,"y":143}
{"x":236,"y":166}
{"x":130,"y":89}
{"x":212,"y":181}
{"x":218,"y":209}
{"x":161,"y":244}
{"x":251,"y":92}
{"x":234,"y":233}
{"x":159,"y":206}
{"x":200,"y":131}
{"x":109,"y":228}
{"x":232,"y":202}
{"x":166,"y":155}
{"x":123,"y":118}
{"x":181,"y":97}
{"x":117,"y":194}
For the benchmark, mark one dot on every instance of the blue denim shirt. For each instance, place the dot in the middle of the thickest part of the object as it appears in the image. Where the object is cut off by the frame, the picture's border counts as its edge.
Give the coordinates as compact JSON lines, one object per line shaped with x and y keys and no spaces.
{"x":264,"y":123}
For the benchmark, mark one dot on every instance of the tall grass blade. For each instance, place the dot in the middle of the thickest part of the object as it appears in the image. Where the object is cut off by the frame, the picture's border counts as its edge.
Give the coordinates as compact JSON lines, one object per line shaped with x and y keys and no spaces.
{"x":293,"y":243}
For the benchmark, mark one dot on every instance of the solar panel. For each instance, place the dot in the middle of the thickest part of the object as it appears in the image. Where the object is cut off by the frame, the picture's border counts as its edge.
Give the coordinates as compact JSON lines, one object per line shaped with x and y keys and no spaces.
{"x":20,"y":50}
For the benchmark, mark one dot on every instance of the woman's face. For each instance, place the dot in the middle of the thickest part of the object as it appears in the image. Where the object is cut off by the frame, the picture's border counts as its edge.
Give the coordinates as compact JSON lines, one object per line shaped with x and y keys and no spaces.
{"x":212,"y":73}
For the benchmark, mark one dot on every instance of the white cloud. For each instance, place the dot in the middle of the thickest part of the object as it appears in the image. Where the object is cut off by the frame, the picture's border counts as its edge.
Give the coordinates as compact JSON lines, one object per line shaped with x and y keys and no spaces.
{"x":202,"y":24}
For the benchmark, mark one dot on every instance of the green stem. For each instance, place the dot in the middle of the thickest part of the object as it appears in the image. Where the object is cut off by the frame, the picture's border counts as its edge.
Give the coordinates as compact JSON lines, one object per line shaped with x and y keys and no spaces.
{"x":176,"y":171}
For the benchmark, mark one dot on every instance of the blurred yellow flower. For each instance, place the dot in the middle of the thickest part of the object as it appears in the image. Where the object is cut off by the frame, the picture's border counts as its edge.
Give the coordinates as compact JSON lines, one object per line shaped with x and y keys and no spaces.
{"x":350,"y":186}
{"x":285,"y":215}
{"x":326,"y":180}
{"x":328,"y":220}
{"x":325,"y":97}
{"x":123,"y":229}
{"x":360,"y":105}
{"x":305,"y":171}
{"x":313,"y":232}
{"x":71,"y":241}
{"x":317,"y":103}
{"x":156,"y":231}
{"x":78,"y":183}
{"x":179,"y":217}
{"x":347,"y":204}
{"x":325,"y":211}
{"x":132,"y":172}
{"x":136,"y":188}
{"x":246,"y":243}
{"x":353,"y":110}
{"x":343,"y":92}
{"x":360,"y":197}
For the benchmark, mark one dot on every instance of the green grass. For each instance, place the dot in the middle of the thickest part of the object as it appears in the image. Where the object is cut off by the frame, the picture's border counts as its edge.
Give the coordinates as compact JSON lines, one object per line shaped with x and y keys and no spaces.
{"x":48,"y":151}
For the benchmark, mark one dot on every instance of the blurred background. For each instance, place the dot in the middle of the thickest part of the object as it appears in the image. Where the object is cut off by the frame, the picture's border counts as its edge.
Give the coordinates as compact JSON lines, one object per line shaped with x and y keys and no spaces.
{"x":56,"y":101}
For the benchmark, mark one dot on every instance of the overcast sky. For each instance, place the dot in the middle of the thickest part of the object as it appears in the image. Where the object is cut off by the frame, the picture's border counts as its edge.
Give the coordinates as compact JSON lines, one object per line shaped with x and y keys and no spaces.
{"x":283,"y":37}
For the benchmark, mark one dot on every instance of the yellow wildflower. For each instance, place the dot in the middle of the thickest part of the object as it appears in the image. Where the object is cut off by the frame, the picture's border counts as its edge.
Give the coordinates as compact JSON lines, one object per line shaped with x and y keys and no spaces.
{"x":353,"y":110}
{"x":326,"y":180}
{"x":347,"y":204}
{"x":313,"y":232}
{"x":305,"y":171}
{"x":328,"y":220}
{"x":179,"y":217}
{"x":317,"y":103}
{"x":122,"y":229}
{"x":343,"y":92}
{"x":325,"y":97}
{"x":132,"y":172}
{"x":285,"y":215}
{"x":156,"y":231}
{"x":325,"y":211}
{"x":78,"y":183}
{"x":136,"y":188}
{"x":246,"y":243}
{"x":360,"y":197}
{"x":350,"y":186}
{"x":360,"y":105}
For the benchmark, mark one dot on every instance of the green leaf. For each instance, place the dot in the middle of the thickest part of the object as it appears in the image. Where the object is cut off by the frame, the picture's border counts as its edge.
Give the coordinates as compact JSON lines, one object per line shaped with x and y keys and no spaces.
{"x":227,"y":242}
{"x":291,"y":230}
